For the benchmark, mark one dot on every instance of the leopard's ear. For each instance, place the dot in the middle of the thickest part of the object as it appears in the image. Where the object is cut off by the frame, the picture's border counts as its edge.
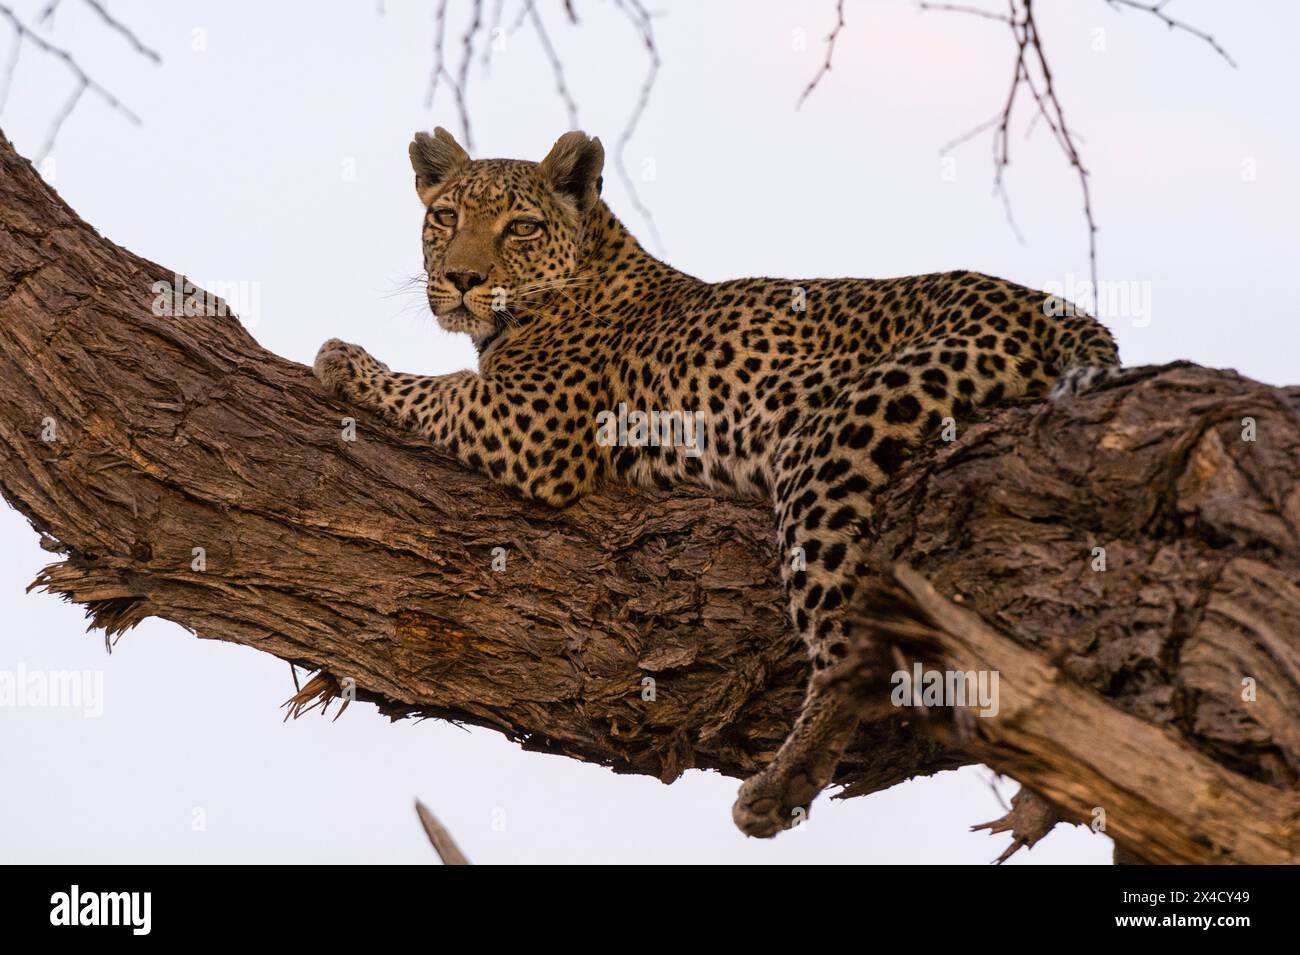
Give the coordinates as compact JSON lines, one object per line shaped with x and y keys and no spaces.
{"x":573,"y":168}
{"x":435,"y":159}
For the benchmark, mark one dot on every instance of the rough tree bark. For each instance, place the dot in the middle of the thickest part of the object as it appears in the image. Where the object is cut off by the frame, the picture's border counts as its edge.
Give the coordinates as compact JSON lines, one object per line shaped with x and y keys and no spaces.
{"x":129,"y":439}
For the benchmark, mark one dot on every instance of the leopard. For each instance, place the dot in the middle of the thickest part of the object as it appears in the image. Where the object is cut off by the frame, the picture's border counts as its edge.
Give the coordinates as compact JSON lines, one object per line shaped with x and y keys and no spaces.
{"x":812,"y":394}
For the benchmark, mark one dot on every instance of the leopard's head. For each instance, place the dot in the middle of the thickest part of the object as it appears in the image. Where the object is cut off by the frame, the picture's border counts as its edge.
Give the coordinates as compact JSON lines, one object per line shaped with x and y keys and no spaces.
{"x":501,"y":234}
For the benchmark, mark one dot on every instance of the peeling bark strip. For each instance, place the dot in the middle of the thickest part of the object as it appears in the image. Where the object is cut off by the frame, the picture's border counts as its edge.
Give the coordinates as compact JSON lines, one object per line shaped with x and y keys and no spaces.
{"x":372,"y":560}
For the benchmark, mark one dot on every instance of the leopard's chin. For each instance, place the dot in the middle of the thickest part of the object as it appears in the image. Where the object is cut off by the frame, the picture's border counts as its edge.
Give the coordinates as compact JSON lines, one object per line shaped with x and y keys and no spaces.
{"x":461,"y":319}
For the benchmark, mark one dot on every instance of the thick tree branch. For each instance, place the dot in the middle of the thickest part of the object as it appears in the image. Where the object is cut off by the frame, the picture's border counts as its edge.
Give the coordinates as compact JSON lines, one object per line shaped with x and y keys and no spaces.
{"x":646,"y":631}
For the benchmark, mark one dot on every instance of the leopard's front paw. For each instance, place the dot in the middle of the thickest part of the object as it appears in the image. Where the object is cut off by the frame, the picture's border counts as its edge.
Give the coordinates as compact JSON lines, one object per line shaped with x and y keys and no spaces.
{"x":342,"y":366}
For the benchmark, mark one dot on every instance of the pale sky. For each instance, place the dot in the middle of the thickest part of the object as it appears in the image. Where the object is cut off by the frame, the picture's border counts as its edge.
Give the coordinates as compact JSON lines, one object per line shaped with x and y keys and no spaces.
{"x":272,"y":152}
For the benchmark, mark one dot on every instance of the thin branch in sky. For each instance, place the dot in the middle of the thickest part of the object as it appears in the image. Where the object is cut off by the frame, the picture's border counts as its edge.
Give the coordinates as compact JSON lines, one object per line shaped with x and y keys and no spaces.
{"x":830,"y":53}
{"x":7,"y":75}
{"x":966,"y":8}
{"x":644,"y":25}
{"x":557,"y":68}
{"x":1158,"y":10}
{"x":84,"y":81}
{"x":528,"y":11}
{"x":441,"y":72}
{"x":439,"y":32}
{"x":1032,"y":72}
{"x":123,"y":30}
{"x":493,"y":28}
{"x":467,"y":57}
{"x":59,"y":119}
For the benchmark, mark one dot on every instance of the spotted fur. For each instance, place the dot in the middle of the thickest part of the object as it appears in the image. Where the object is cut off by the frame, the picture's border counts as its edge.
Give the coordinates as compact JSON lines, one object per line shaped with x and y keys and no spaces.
{"x":814,"y":393}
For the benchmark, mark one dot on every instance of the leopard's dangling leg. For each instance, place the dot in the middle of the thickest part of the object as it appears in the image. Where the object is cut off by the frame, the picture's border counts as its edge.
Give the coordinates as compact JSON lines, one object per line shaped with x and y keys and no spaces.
{"x":825,"y":476}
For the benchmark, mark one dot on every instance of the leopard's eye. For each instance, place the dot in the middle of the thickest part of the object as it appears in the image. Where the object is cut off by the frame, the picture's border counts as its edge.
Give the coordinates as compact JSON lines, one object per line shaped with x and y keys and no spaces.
{"x":445,"y":217}
{"x":523,"y":228}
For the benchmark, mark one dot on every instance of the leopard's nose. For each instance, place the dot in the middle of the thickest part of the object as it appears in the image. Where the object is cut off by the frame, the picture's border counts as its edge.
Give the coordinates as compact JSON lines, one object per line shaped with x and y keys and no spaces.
{"x":465,"y":279}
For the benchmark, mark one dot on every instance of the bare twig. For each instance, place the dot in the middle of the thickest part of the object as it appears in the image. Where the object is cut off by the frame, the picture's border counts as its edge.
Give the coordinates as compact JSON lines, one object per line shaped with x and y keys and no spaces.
{"x":476,"y":25}
{"x":830,"y":52}
{"x":439,"y":837}
{"x":84,"y":81}
{"x":439,"y":32}
{"x":59,"y":119}
{"x":557,"y":69}
{"x":521,"y":16}
{"x":120,"y":28}
{"x":467,"y":45}
{"x":7,"y":77}
{"x":440,"y":72}
{"x":494,"y":26}
{"x":969,"y":134}
{"x":641,"y":21}
{"x":1032,"y":72}
{"x":963,"y":8}
{"x":1060,"y":129}
{"x":528,"y":11}
{"x":1158,"y":10}
{"x":439,"y":58}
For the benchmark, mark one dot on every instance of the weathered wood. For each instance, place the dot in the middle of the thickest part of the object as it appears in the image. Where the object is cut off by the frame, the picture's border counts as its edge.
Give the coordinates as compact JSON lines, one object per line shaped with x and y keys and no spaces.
{"x":372,"y":560}
{"x":1151,"y":789}
{"x":1188,"y":479}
